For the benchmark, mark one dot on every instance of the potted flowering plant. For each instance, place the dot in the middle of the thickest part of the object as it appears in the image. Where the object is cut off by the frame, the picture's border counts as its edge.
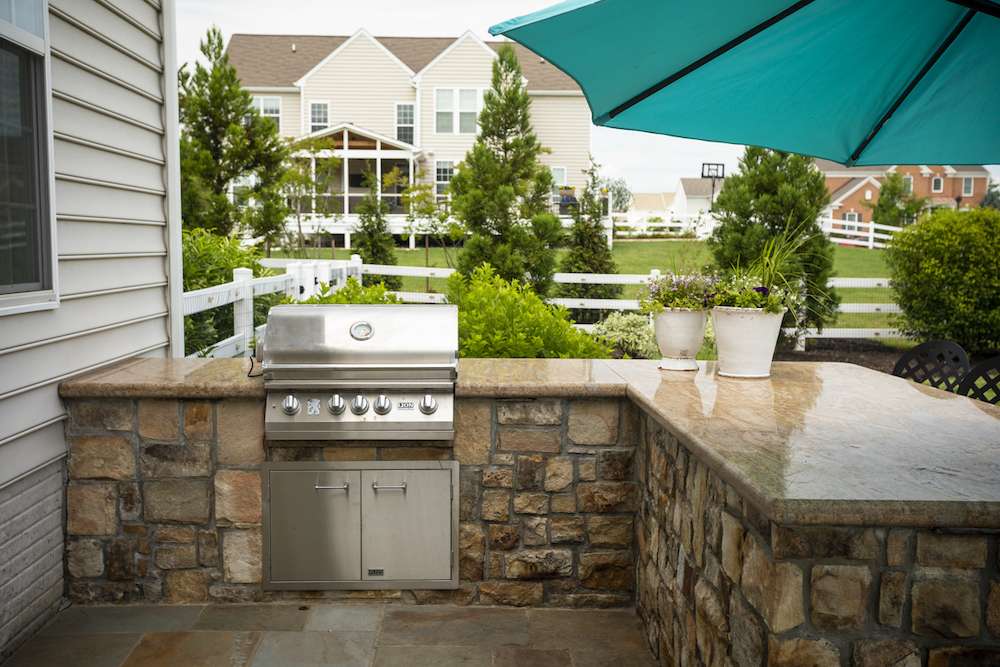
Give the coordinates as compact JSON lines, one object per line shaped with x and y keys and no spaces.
{"x":678,"y":305}
{"x":749,"y":305}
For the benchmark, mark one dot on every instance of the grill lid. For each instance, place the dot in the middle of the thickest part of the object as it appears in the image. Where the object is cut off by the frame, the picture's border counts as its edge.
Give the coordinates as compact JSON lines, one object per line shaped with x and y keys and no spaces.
{"x":405,"y":340}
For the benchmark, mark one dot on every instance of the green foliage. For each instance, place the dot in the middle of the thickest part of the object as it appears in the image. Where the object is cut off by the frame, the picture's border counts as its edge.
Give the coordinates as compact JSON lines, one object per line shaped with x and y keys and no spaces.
{"x":992,"y":197}
{"x":352,"y":292}
{"x":372,"y":239}
{"x":209,"y":260}
{"x":588,"y":245}
{"x":629,"y":335}
{"x":774,"y":192}
{"x":946,"y":272}
{"x":621,"y":196}
{"x":693,"y":292}
{"x":501,"y":191}
{"x":301,"y":181}
{"x":896,"y":206}
{"x":497,"y":318}
{"x":429,"y":217}
{"x":223,"y":139}
{"x":774,"y":280}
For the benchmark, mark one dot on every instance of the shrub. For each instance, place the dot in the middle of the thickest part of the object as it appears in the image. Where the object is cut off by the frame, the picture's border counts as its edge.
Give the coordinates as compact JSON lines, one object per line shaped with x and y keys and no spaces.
{"x":352,"y":292}
{"x":946,"y":272}
{"x":497,"y":318}
{"x":372,"y":238}
{"x":209,"y":260}
{"x":672,"y":291}
{"x":629,"y":335}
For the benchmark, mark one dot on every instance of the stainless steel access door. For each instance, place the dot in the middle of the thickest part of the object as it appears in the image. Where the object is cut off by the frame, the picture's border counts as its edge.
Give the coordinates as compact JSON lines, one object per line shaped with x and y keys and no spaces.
{"x":314,"y":525}
{"x":407,"y":525}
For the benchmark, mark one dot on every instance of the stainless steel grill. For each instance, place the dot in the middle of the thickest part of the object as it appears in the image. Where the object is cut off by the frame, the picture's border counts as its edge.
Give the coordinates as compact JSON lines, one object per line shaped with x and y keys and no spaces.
{"x":360,"y":372}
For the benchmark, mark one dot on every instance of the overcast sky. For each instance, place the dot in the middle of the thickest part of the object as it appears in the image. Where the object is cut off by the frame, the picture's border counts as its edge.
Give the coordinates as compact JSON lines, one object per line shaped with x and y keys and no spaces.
{"x":649,"y":162}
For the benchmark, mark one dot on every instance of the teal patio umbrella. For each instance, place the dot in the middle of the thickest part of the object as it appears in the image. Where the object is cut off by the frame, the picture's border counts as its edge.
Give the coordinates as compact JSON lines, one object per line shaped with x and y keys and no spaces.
{"x":855,"y":81}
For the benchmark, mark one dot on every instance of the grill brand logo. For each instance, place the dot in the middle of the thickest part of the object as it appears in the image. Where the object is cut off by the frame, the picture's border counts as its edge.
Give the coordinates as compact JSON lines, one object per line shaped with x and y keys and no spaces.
{"x":376,"y":572}
{"x":406,"y":405}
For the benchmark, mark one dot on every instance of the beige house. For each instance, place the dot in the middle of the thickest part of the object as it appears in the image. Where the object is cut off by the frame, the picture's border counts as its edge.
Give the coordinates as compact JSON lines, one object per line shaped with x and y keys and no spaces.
{"x":405,"y":103}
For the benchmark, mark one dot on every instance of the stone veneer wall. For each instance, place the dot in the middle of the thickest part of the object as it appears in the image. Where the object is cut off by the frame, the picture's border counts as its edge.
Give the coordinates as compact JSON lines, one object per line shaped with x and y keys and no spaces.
{"x":164,"y":501}
{"x":719,"y":584}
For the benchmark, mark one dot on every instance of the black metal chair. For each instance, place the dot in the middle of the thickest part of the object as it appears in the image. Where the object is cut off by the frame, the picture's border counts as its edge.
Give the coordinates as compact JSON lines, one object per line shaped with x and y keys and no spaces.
{"x":939,"y":363}
{"x":982,"y":382}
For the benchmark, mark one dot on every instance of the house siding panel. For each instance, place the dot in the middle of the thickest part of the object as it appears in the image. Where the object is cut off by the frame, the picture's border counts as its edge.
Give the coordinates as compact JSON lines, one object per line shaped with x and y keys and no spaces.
{"x":362,"y":84}
{"x":563,"y":126}
{"x":108,"y":86}
{"x":291,"y":114}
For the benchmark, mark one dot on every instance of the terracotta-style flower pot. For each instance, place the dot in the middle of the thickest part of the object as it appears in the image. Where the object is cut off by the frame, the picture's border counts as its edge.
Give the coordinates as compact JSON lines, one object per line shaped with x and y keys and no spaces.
{"x":745,"y":339}
{"x":679,"y":333}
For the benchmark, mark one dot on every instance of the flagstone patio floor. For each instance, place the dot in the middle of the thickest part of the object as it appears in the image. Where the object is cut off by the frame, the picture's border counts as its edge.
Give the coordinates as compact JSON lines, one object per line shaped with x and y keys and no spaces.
{"x":379,"y":635}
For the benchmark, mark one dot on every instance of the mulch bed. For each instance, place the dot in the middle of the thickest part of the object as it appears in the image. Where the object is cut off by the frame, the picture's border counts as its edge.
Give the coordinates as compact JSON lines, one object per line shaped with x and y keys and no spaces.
{"x":868,"y":353}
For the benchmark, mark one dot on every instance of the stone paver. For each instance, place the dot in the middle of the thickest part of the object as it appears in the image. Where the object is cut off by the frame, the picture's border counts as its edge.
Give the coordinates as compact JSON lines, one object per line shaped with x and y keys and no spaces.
{"x":348,"y":635}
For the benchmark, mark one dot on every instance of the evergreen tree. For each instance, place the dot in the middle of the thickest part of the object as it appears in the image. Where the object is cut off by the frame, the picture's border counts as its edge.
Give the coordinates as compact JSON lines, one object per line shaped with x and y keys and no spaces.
{"x":775,"y":191}
{"x":501,"y":192}
{"x":588,"y":244}
{"x":223,"y":139}
{"x":372,"y":239}
{"x":896,"y":205}
{"x":992,"y":198}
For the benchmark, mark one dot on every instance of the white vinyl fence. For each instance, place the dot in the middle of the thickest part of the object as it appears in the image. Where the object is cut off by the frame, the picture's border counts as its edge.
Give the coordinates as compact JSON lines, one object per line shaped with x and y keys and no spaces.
{"x":864,"y":313}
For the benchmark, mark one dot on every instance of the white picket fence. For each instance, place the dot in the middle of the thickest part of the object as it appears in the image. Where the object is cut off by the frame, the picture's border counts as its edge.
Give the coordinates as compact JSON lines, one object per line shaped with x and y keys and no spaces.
{"x":303,"y":279}
{"x":869,"y":235}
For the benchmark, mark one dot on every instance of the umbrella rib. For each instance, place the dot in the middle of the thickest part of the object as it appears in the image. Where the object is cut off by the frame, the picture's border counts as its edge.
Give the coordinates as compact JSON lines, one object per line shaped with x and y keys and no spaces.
{"x":952,"y":36}
{"x":984,"y":6}
{"x":707,"y":58}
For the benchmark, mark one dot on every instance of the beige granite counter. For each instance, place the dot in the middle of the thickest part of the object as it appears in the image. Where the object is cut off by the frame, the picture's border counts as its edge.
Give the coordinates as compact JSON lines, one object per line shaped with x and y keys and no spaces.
{"x":815,"y":443}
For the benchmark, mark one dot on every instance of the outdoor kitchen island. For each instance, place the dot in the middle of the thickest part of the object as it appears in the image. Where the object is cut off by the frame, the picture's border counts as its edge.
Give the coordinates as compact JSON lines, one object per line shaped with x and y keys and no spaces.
{"x":830,"y":515}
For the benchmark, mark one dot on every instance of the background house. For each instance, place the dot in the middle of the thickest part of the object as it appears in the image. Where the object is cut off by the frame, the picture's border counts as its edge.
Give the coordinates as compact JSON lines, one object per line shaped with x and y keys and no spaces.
{"x":409,"y":103}
{"x":89,"y":248}
{"x":854,"y":190}
{"x":695,"y":196}
{"x":646,"y":205}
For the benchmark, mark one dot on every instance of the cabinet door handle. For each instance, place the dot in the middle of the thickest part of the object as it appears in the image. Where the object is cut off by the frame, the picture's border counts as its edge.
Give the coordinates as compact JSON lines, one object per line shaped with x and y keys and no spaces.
{"x":401,"y":486}
{"x":346,"y":487}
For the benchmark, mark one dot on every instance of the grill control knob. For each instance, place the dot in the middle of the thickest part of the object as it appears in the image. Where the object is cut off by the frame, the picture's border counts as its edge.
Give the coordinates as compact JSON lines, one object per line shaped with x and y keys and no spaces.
{"x":359,"y":405}
{"x":382,"y":405}
{"x":290,"y":405}
{"x":428,"y":405}
{"x":336,"y":404}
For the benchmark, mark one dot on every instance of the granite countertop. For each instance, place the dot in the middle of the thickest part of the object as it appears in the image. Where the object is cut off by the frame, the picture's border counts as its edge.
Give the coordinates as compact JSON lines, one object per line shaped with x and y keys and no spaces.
{"x":815,"y":443}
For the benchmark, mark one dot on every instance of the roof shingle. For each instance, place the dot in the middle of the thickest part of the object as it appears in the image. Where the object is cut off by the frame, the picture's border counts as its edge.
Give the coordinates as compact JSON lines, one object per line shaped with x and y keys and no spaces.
{"x":268,"y":60}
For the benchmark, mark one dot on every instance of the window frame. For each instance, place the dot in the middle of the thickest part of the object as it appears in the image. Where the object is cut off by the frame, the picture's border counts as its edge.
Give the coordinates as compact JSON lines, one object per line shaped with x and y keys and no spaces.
{"x":940,"y":180}
{"x":972,"y":186}
{"x":309,"y":115}
{"x":851,"y":220}
{"x":413,"y":121}
{"x":46,"y":297}
{"x":260,"y":107}
{"x":908,"y":181}
{"x":446,"y":196}
{"x":456,"y":109}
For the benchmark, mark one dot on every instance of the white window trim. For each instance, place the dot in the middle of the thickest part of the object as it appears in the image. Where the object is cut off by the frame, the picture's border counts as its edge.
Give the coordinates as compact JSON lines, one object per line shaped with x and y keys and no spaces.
{"x":565,"y":175}
{"x":972,"y":186}
{"x":939,"y":179}
{"x":260,"y":111}
{"x":454,"y":165}
{"x":44,"y":299}
{"x":412,"y":125}
{"x":909,"y":181}
{"x":456,"y":102}
{"x":309,"y":123}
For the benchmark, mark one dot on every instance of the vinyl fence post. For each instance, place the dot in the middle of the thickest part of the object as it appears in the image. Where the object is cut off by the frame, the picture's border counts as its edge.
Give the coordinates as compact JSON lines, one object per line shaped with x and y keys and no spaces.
{"x":323,"y":271}
{"x":354,"y":268}
{"x":308,"y":278}
{"x":293,"y":269}
{"x":243,"y":310}
{"x":871,"y":234}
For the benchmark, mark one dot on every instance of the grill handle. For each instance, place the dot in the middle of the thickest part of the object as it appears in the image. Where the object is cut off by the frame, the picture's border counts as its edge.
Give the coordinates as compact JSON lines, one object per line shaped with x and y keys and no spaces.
{"x":345,"y":487}
{"x":401,"y":486}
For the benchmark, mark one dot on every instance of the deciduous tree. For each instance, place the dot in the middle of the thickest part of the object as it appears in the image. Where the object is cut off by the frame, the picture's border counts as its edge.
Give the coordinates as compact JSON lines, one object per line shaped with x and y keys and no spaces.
{"x":896,"y":206}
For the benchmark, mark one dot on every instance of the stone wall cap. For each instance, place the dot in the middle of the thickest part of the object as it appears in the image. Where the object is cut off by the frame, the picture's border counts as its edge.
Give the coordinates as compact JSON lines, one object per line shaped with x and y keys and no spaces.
{"x":167,"y":378}
{"x":538,"y":378}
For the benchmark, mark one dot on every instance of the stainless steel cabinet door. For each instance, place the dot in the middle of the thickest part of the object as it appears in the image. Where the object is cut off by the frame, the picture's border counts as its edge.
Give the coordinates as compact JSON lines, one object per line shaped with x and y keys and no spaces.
{"x":407,"y":531}
{"x":315,"y":525}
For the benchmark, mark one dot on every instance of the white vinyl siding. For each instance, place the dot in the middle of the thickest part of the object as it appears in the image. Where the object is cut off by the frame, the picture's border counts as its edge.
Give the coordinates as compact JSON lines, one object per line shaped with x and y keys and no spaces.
{"x":363,"y":84}
{"x":108,"y":89}
{"x":562,"y":124}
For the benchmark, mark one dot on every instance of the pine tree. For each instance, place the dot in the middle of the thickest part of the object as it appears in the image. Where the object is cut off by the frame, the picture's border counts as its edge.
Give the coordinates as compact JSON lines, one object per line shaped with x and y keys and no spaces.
{"x":501,"y":191}
{"x":588,"y":245}
{"x":372,"y":239}
{"x":773,"y":192}
{"x":223,"y":138}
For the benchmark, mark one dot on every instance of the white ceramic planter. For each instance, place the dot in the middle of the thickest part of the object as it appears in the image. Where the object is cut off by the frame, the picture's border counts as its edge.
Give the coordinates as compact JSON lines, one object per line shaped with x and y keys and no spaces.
{"x":679,"y":332}
{"x":745,"y":339}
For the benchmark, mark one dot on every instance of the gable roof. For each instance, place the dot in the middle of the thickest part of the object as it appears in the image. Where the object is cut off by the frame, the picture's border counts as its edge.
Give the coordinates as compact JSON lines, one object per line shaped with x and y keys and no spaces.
{"x":268,"y":60}
{"x":700,"y":187}
{"x":829,"y":166}
{"x":850,"y":187}
{"x":651,"y":201}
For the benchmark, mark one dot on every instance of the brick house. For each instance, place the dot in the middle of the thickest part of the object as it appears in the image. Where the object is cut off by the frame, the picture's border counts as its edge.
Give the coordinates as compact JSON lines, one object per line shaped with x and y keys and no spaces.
{"x":854,"y":190}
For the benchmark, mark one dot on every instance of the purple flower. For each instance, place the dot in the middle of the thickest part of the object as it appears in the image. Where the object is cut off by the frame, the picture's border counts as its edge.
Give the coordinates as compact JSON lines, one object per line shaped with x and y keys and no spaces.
{"x":763,"y":291}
